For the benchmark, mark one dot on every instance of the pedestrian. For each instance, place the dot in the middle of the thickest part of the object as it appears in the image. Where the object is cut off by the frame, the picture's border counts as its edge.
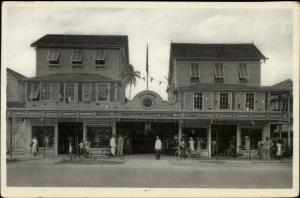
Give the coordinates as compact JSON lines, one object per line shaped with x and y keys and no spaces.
{"x":198,"y":149}
{"x":267,"y":147}
{"x":81,"y":148}
{"x":120,"y":145}
{"x":70,"y":149}
{"x":260,"y":145}
{"x":273,"y":148}
{"x":157,"y":147}
{"x":181,"y":145}
{"x":279,"y":150}
{"x":34,"y":146}
{"x":87,"y":148}
{"x":214,"y":147}
{"x":113,"y":145}
{"x":191,"y":146}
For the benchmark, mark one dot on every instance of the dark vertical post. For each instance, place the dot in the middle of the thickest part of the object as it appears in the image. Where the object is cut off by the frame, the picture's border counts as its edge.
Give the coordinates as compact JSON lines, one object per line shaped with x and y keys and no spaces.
{"x":11,"y":134}
{"x":216,"y":149}
{"x":44,"y":138}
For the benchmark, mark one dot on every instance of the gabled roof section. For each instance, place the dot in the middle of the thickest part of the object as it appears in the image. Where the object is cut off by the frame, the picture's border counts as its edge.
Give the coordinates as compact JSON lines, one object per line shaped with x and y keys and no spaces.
{"x":216,"y":51}
{"x":71,"y":77}
{"x":66,"y":40}
{"x":15,"y":74}
{"x":283,"y":85}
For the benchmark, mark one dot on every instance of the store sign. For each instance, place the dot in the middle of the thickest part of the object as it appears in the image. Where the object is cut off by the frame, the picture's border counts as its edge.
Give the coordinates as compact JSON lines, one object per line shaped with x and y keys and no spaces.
{"x":147,"y":99}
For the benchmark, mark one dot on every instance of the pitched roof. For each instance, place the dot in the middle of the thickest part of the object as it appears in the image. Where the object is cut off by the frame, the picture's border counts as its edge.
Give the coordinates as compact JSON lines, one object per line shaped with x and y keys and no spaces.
{"x":51,"y":40}
{"x":216,"y":51}
{"x":72,"y":77}
{"x":283,"y":85}
{"x":15,"y":74}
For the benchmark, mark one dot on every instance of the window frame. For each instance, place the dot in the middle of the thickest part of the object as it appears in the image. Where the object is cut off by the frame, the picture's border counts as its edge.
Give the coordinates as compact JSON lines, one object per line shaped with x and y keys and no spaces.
{"x":97,"y":57}
{"x":246,"y":101}
{"x":200,"y":101}
{"x":243,"y":71}
{"x":219,"y":77}
{"x":42,"y":91}
{"x":55,"y":53}
{"x":65,"y":91}
{"x":221,"y":103}
{"x":195,"y":78}
{"x":37,"y":91}
{"x":89,"y":92}
{"x":108,"y":92}
{"x":79,"y":56}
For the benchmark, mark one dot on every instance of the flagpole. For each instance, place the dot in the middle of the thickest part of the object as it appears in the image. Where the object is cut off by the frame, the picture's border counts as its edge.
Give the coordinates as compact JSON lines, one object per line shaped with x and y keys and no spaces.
{"x":147,"y":66}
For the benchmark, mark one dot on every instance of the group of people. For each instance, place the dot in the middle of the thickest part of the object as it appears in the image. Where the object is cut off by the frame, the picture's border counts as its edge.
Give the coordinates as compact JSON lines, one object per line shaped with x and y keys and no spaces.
{"x":268,"y":149}
{"x":116,"y":145}
{"x":190,"y":145}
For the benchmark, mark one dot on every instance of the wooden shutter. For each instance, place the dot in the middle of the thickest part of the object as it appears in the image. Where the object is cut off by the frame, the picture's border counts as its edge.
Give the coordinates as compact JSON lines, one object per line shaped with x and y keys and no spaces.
{"x":80,"y":91}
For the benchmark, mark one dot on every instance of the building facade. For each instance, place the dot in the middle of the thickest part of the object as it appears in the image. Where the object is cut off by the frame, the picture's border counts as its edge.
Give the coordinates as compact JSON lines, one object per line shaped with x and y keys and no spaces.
{"x":214,"y":94}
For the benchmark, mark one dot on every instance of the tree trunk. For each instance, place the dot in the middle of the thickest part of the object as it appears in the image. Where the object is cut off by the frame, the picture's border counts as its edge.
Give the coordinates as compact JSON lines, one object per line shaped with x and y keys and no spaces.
{"x":129,"y":91}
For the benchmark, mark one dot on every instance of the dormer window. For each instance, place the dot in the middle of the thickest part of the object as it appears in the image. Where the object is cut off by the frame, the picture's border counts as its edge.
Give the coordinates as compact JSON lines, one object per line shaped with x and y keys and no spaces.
{"x":195,"y":73}
{"x":53,"y":56}
{"x":76,"y":57}
{"x":219,"y":72}
{"x":243,"y":71}
{"x":99,"y":57}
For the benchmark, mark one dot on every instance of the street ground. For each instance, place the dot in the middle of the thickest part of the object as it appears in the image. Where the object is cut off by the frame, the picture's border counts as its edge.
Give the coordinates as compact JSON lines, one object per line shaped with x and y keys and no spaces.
{"x":145,"y":171}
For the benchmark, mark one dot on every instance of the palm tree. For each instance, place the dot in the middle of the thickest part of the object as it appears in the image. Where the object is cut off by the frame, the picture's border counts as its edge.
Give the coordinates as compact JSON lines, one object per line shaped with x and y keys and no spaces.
{"x":129,"y":76}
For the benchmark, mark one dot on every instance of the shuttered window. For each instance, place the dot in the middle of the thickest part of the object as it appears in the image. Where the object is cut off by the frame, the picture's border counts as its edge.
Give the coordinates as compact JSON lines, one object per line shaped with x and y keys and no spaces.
{"x":195,"y":72}
{"x":198,"y":101}
{"x":100,"y":57}
{"x":243,"y":71}
{"x":249,"y":101}
{"x":224,"y":101}
{"x":219,"y":71}
{"x":53,"y":56}
{"x":71,"y":92}
{"x":86,"y":91}
{"x":35,"y":90}
{"x":76,"y":56}
{"x":50,"y":91}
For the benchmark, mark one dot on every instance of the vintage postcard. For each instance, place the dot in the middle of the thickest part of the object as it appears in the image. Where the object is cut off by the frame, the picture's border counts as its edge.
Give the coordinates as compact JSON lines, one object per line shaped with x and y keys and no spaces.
{"x":167,"y":99}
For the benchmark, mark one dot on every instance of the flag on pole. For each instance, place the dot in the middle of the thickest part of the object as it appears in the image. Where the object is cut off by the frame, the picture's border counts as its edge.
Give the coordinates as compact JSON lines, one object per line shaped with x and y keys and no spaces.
{"x":147,"y":64}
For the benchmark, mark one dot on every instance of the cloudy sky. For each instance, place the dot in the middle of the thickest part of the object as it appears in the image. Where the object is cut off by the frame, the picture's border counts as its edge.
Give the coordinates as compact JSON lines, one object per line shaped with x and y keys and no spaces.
{"x":271,"y":30}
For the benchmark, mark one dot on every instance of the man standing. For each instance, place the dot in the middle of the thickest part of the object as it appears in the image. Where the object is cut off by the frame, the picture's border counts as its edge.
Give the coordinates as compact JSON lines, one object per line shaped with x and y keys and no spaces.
{"x":120,"y":146}
{"x":113,"y":145}
{"x":157,"y":147}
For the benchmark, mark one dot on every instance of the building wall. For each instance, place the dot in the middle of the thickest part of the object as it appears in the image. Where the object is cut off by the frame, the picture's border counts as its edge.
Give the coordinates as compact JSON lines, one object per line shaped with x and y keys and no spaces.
{"x":111,"y":69}
{"x":209,"y":98}
{"x":183,"y":73}
{"x":15,"y":90}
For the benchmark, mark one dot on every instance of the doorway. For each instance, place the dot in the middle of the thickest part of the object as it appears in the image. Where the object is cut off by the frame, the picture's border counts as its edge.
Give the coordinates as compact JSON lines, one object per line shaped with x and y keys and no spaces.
{"x":69,"y":131}
{"x":223,"y":135}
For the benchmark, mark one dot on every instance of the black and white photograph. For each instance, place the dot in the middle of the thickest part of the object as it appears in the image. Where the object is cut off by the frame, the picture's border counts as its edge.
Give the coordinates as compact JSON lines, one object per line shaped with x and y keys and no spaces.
{"x":140,"y":99}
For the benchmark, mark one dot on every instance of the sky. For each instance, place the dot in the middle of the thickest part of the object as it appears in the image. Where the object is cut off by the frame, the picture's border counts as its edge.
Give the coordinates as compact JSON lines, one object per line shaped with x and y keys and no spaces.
{"x":271,"y":30}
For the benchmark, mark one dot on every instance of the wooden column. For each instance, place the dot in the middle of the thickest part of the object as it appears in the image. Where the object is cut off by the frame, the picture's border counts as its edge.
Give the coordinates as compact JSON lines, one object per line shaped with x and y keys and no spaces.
{"x":209,"y":140}
{"x":238,"y":138}
{"x":114,"y":131}
{"x":116,"y":92}
{"x":179,"y":129}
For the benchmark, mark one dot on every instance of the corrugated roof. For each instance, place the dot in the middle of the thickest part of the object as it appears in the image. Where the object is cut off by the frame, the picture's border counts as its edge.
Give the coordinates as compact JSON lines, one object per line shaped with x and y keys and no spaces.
{"x":72,"y":77}
{"x":216,"y":51}
{"x":80,"y":40}
{"x":15,"y":74}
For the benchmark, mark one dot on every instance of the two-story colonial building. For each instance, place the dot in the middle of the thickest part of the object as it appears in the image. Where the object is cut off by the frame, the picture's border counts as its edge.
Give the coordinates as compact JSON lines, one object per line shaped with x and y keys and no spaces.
{"x":214,"y":93}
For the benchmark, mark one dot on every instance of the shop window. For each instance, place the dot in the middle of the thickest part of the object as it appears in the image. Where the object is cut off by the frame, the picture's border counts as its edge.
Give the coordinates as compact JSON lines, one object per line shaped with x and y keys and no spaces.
{"x":198,"y":101}
{"x":195,"y":73}
{"x":224,"y":101}
{"x":219,"y":72}
{"x":99,"y":57}
{"x":76,"y":57}
{"x":254,"y":135}
{"x":102,"y":91}
{"x":98,"y":136}
{"x":35,"y":90}
{"x":249,"y":101}
{"x":53,"y":56}
{"x":198,"y":134}
{"x":44,"y":134}
{"x":243,"y":71}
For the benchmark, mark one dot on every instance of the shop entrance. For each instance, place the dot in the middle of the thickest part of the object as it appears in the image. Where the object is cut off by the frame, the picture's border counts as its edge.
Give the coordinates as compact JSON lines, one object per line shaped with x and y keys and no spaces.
{"x":140,"y":136}
{"x":223,"y":136}
{"x":69,"y":131}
